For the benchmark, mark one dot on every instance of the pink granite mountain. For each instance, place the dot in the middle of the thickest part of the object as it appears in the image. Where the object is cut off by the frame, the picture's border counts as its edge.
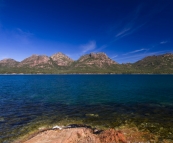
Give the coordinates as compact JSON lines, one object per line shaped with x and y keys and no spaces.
{"x":41,"y":61}
{"x":95,"y":59}
{"x":8,"y":62}
{"x":61,"y":59}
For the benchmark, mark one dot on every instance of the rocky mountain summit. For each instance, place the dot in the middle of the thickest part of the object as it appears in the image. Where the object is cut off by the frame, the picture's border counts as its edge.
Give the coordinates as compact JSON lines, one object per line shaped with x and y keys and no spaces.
{"x":36,"y":60}
{"x":95,"y":59}
{"x":154,"y":62}
{"x":61,"y":60}
{"x":165,"y":59}
{"x":8,"y":62}
{"x":89,"y":63}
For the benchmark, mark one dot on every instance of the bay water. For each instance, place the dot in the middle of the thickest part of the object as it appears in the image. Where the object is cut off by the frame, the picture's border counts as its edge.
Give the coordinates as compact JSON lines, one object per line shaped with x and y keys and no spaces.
{"x":28,"y":102}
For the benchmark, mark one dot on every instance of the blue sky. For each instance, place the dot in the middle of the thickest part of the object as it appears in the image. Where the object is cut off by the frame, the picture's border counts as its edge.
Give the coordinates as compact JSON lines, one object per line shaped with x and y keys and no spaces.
{"x":126,"y":30}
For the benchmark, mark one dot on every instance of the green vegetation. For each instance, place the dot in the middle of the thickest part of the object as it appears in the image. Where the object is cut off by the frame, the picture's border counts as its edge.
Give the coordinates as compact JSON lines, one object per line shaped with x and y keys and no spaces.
{"x":88,"y":64}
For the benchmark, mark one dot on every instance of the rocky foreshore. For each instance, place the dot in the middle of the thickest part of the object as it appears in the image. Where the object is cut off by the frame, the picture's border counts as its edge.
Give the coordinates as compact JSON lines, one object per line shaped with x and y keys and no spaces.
{"x":85,"y":134}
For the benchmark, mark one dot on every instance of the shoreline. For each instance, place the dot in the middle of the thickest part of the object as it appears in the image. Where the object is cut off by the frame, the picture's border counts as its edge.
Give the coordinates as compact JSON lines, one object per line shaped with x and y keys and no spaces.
{"x":80,"y":130}
{"x":110,"y":101}
{"x":95,"y":120}
{"x":76,"y":133}
{"x":86,"y":74}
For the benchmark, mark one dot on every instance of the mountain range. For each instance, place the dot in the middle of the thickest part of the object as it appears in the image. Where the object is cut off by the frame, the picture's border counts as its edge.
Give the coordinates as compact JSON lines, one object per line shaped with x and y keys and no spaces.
{"x":89,"y":63}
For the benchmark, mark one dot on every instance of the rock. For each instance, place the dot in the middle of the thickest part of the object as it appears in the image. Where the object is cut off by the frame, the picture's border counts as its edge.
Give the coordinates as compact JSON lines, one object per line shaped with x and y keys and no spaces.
{"x":112,"y":135}
{"x":77,"y":126}
{"x":78,"y":135}
{"x":155,"y":62}
{"x":92,"y":115}
{"x":8,"y":62}
{"x":61,"y":60}
{"x":41,"y":61}
{"x":95,"y":59}
{"x":72,"y":135}
{"x":58,"y":127}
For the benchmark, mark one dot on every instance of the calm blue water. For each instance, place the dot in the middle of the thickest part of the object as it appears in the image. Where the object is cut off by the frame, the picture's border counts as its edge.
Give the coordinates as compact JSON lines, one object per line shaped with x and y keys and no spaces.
{"x":117,"y":99}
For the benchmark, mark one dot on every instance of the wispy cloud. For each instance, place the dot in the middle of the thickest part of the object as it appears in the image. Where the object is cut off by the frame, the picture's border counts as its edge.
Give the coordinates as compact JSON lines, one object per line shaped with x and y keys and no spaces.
{"x":25,"y":33}
{"x":128,"y":31}
{"x":130,"y":24}
{"x":135,"y":51}
{"x":101,"y":48}
{"x":15,"y":34}
{"x":163,"y":42}
{"x":114,"y":56}
{"x":135,"y":20}
{"x":88,"y":47}
{"x":124,"y":31}
{"x":15,"y":41}
{"x":138,"y":56}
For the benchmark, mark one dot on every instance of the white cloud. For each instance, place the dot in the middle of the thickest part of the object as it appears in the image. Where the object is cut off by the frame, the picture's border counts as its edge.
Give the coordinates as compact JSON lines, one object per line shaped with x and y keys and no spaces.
{"x":14,"y":42}
{"x":139,"y":56}
{"x":163,"y":42}
{"x":101,"y":48}
{"x":88,"y":47}
{"x":114,"y":56}
{"x":128,"y":30}
{"x":130,"y":23}
{"x":125,"y":30}
{"x":135,"y":51}
{"x":135,"y":20}
{"x":16,"y":35}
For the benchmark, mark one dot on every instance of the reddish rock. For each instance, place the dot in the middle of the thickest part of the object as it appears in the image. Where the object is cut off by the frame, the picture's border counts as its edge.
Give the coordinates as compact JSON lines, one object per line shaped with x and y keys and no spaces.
{"x":78,"y":135}
{"x":8,"y":63}
{"x":72,"y":135}
{"x":61,"y":59}
{"x":41,"y":61}
{"x":112,"y":135}
{"x":97,"y":59}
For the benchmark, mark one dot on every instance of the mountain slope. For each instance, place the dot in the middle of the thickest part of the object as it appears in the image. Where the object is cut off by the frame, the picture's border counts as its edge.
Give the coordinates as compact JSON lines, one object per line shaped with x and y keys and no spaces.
{"x":97,"y":60}
{"x":90,"y":63}
{"x":8,"y":63}
{"x":61,"y":59}
{"x":161,"y":63}
{"x":36,"y":61}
